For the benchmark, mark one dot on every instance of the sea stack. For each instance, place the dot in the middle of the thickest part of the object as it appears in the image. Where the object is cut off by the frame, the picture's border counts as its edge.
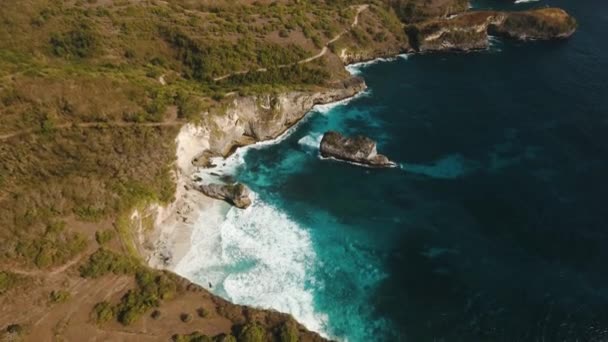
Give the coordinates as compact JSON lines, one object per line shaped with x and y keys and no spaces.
{"x":357,"y":149}
{"x":236,"y":194}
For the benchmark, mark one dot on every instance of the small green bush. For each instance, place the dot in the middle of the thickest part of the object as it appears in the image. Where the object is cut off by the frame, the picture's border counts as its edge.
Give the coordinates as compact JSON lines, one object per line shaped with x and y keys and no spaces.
{"x":80,"y":43}
{"x":185,"y":317}
{"x":59,"y":296}
{"x":252,"y":332}
{"x":224,"y":338}
{"x":103,"y":312}
{"x":288,"y":332}
{"x":8,"y":280}
{"x":155,"y":314}
{"x":193,"y":337}
{"x":202,"y":312}
{"x":104,"y":236}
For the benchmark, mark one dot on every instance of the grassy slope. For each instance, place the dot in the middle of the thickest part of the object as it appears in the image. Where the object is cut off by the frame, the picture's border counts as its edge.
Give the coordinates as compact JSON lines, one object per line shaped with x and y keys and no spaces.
{"x":87,"y":133}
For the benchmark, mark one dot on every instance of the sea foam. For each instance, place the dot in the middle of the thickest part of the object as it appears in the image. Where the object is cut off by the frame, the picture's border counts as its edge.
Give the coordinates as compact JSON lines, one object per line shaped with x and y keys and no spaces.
{"x":258,"y":257}
{"x":355,"y":68}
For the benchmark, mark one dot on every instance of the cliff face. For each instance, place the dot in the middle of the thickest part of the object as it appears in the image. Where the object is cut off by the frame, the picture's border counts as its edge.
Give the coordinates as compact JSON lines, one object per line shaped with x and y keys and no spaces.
{"x":263,"y":117}
{"x":244,"y":120}
{"x":471,"y":30}
{"x":542,"y":24}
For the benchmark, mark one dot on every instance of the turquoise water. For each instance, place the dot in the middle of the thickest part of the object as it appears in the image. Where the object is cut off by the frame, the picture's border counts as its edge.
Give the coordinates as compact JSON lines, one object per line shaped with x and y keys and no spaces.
{"x":493,"y":228}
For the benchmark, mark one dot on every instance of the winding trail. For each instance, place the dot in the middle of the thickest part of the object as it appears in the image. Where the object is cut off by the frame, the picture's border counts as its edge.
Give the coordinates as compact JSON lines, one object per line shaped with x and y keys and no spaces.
{"x":324,"y":50}
{"x":54,"y":271}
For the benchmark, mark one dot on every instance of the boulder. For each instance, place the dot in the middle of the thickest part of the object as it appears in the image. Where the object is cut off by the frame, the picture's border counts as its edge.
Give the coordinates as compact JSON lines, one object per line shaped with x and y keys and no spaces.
{"x":236,"y":194}
{"x":357,"y":149}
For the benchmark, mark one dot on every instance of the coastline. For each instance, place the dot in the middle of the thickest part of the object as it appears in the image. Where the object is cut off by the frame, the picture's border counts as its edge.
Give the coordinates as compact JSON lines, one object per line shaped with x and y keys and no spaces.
{"x":174,"y":226}
{"x":170,"y":240}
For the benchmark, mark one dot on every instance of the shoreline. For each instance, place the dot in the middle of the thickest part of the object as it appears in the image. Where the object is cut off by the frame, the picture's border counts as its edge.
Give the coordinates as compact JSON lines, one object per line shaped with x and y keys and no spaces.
{"x":176,"y":225}
{"x":171,"y":239}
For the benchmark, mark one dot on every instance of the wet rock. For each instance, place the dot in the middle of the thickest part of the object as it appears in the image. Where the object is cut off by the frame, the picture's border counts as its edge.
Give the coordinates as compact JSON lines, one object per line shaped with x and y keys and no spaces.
{"x":357,"y":149}
{"x":235,"y":194}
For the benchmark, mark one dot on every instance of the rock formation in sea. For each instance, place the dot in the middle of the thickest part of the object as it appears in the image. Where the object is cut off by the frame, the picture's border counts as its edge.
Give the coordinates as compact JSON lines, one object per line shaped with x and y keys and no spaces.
{"x":471,"y":30}
{"x":357,"y":149}
{"x":236,"y":194}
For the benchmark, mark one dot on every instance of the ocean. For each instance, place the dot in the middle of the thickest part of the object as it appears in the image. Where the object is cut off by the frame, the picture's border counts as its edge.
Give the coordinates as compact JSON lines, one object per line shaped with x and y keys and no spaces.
{"x":494,"y":227}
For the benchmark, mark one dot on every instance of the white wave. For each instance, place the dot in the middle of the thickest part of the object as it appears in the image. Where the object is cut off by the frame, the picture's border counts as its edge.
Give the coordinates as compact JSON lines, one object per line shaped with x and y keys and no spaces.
{"x":258,"y":257}
{"x":311,"y":141}
{"x":452,"y":166}
{"x":355,"y":68}
{"x":495,"y":44}
{"x":326,"y":108}
{"x":525,"y":1}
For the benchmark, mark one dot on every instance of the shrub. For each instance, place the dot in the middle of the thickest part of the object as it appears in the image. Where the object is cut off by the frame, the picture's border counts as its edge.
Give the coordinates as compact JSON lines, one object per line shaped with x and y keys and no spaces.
{"x":185,"y":317}
{"x":59,"y":296}
{"x":134,"y":304}
{"x":252,"y":332}
{"x":155,"y":314}
{"x":80,"y":43}
{"x":8,"y":280}
{"x":104,"y":261}
{"x":288,"y":332}
{"x":104,"y":236}
{"x":152,"y":287}
{"x":193,"y":337}
{"x":224,"y":338}
{"x":15,"y":329}
{"x":202,"y":312}
{"x":55,"y":247}
{"x":103,"y":312}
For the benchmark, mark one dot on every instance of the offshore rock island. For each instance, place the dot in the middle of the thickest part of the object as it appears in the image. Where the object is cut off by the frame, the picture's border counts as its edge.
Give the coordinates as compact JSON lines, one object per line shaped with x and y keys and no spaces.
{"x":358,"y":149}
{"x":110,"y":107}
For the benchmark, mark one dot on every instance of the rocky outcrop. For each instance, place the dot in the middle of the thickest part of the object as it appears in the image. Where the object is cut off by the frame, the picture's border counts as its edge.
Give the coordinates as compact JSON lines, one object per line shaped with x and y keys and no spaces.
{"x":358,"y":149}
{"x":541,"y":24}
{"x":236,"y":194}
{"x":471,"y":30}
{"x":247,"y":119}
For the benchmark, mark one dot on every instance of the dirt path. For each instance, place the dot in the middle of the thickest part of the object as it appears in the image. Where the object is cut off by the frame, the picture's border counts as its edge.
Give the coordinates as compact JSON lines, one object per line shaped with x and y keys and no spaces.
{"x":324,"y":50}
{"x":52,"y":272}
{"x":94,"y":125}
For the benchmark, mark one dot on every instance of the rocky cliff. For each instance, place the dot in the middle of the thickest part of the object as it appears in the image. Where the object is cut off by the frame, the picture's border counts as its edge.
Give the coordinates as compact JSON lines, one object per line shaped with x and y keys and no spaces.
{"x":471,"y":30}
{"x":248,"y":119}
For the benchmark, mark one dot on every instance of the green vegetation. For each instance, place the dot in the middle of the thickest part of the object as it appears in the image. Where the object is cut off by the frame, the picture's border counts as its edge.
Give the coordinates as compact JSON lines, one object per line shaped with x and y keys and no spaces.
{"x":224,"y":338}
{"x":411,"y":11}
{"x":103,"y":312}
{"x":79,"y":42}
{"x":288,"y":332}
{"x":54,"y":247}
{"x":185,"y":317}
{"x":104,"y":236}
{"x":202,"y":312}
{"x":8,"y":280}
{"x":92,"y":96}
{"x":152,"y":287}
{"x":193,"y":337}
{"x":252,"y":332}
{"x":104,"y":261}
{"x":155,"y":314}
{"x":59,"y":296}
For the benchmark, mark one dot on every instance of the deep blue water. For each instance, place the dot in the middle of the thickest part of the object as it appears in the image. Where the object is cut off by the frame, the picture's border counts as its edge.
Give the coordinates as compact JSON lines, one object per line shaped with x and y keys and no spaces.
{"x":494,"y":228}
